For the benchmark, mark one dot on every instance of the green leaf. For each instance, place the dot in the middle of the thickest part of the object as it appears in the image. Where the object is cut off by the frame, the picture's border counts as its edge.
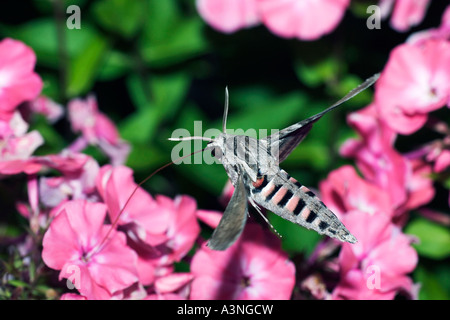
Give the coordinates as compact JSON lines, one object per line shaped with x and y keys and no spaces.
{"x":430,"y":285}
{"x":115,"y":65}
{"x":184,"y":40}
{"x":139,"y":91}
{"x":41,"y":35}
{"x":168,"y":90}
{"x":18,"y":283}
{"x":84,"y":68}
{"x":120,"y":16}
{"x":143,"y":157}
{"x":318,"y":72}
{"x":434,"y":238}
{"x":140,"y":126}
{"x":162,"y":17}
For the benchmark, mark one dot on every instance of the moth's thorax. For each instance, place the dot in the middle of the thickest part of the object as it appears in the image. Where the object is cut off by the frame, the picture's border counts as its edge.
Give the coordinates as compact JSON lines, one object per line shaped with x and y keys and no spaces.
{"x":243,"y":153}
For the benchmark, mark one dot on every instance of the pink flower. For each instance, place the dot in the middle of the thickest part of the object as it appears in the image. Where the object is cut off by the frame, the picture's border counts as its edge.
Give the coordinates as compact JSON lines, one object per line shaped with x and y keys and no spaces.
{"x":13,"y":127}
{"x":229,"y":15}
{"x":442,"y":161}
{"x":377,"y":266}
{"x":162,"y":230}
{"x":17,"y":146}
{"x":375,"y":155}
{"x":73,"y":244}
{"x":419,"y":185}
{"x":252,"y":268}
{"x":404,"y":178}
{"x":18,"y":82}
{"x":78,"y":185}
{"x":415,"y":81}
{"x":440,"y":33}
{"x":20,"y":148}
{"x":344,"y":191}
{"x":408,"y":13}
{"x":47,"y":107}
{"x":97,"y":129}
{"x":116,"y":185}
{"x":174,"y":286}
{"x":72,"y":296}
{"x":302,"y":19}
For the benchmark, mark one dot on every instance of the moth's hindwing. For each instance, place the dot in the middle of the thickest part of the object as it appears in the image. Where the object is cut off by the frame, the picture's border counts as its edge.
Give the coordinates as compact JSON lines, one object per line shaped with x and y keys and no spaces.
{"x":292,"y":201}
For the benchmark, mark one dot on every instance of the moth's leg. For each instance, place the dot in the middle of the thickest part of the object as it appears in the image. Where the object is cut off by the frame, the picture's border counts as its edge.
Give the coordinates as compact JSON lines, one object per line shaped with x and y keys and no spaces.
{"x":256,"y":206}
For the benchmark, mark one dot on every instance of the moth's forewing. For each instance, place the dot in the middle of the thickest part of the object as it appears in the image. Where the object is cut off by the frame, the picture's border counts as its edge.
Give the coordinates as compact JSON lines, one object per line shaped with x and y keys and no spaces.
{"x":233,"y":220}
{"x":286,"y":140}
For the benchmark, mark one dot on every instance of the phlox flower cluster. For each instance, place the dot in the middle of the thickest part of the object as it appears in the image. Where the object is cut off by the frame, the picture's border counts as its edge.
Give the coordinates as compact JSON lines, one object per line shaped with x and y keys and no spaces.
{"x":301,"y":19}
{"x":74,"y":209}
{"x":375,"y":205}
{"x":102,"y":244}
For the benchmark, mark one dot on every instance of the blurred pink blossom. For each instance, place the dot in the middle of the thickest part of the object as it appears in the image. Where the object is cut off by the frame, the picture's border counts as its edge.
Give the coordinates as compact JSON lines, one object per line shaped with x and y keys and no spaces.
{"x":77,"y":185}
{"x":97,"y":129}
{"x":406,"y":13}
{"x":162,"y":230}
{"x":404,"y":178}
{"x":72,"y":244}
{"x":442,"y":161}
{"x":175,"y":286}
{"x":18,"y":81}
{"x":254,"y":267}
{"x":302,"y":19}
{"x":17,"y":146}
{"x":374,"y":153}
{"x":419,"y":185}
{"x":344,"y":191}
{"x":72,"y":296}
{"x":229,"y":15}
{"x":377,"y":266}
{"x":16,"y":126}
{"x":47,"y":107}
{"x":415,"y":81}
{"x":20,"y":148}
{"x":440,"y":33}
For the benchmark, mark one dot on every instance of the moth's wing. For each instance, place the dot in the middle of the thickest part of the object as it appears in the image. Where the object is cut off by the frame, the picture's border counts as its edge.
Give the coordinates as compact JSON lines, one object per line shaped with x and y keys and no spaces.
{"x":285,"y":141}
{"x":233,"y":220}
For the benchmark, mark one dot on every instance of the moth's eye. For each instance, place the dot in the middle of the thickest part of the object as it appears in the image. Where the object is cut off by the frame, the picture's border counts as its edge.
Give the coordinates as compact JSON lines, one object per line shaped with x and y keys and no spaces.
{"x":213,"y":152}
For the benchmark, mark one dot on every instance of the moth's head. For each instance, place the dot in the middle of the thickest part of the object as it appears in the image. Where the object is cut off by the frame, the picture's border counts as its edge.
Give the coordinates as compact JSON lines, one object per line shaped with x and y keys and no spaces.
{"x":216,"y":147}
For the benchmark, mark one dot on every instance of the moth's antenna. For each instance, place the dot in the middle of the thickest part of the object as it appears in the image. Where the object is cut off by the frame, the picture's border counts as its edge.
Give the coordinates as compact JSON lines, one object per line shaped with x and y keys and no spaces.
{"x":191,"y":138}
{"x":225,"y":111}
{"x":116,"y":220}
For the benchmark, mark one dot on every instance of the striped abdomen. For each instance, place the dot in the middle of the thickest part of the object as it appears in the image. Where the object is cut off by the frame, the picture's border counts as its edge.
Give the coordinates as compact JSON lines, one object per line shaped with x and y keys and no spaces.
{"x":292,"y":201}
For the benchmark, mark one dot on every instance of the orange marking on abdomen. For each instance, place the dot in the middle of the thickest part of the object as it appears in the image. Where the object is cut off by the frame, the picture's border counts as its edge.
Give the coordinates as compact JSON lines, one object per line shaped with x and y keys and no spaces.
{"x":304,"y":189}
{"x":258,"y":182}
{"x":268,"y":189}
{"x":292,"y":204}
{"x":279,"y":195}
{"x":305,"y":213}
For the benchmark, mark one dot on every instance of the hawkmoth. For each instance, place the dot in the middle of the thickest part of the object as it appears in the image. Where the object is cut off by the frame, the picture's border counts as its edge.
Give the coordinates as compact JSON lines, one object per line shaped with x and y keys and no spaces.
{"x":253,"y":168}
